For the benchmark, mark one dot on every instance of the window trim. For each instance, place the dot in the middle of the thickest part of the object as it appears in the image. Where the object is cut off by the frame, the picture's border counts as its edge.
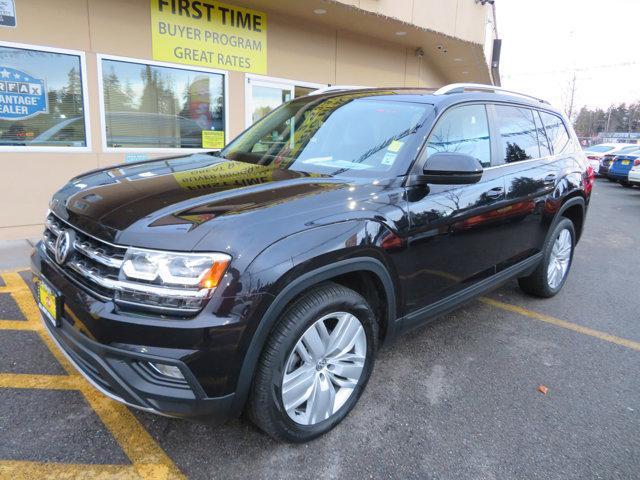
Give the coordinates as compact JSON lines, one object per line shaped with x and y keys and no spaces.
{"x":250,"y":79}
{"x":85,"y":102}
{"x":103,"y":124}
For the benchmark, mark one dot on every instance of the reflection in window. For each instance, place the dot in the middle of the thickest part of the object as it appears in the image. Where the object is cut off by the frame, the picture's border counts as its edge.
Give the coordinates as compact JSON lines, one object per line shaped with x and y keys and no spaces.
{"x":162,"y":107}
{"x":343,"y":134}
{"x":266,"y":99}
{"x":556,"y":131}
{"x":544,"y":141}
{"x":41,"y":101}
{"x":518,"y":136}
{"x":463,"y":130}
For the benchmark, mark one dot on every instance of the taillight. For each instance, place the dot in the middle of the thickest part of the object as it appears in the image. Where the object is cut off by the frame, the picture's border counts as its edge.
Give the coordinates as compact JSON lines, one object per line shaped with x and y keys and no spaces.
{"x":592,"y":157}
{"x":589,"y":179}
{"x":636,"y":162}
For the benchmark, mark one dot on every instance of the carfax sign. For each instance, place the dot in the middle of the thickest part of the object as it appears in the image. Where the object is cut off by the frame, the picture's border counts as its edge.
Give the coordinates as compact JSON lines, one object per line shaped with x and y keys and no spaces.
{"x":21,"y":95}
{"x":209,"y":34}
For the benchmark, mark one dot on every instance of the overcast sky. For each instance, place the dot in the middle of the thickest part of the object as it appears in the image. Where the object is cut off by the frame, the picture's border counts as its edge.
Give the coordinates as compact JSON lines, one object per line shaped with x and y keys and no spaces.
{"x":544,"y":41}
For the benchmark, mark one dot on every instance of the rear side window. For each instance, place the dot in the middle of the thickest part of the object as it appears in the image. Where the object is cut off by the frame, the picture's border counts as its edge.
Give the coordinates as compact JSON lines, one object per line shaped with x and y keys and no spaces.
{"x":556,"y":132}
{"x":465,"y":130}
{"x":518,"y":135}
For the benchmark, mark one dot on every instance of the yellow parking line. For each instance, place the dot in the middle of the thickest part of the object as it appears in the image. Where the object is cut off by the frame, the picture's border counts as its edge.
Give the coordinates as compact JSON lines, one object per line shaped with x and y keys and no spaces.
{"x":17,"y":325}
{"x":149,"y":461}
{"x":23,"y":470}
{"x":12,"y":282}
{"x":49,"y":382}
{"x":562,"y":323}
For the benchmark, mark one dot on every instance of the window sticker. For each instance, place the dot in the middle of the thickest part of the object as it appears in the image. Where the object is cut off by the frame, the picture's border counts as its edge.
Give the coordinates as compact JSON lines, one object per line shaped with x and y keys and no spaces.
{"x":395,"y":146}
{"x":21,"y":94}
{"x":212,"y":139}
{"x":389,"y":158}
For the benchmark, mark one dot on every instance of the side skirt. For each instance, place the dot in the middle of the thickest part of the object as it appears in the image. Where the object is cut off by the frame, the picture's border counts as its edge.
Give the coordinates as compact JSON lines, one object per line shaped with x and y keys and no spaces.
{"x":426,"y":314}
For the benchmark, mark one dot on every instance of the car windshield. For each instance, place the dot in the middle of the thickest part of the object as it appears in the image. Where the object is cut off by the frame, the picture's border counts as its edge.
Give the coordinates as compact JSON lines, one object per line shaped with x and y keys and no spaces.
{"x":599,"y":148}
{"x":353,"y":134}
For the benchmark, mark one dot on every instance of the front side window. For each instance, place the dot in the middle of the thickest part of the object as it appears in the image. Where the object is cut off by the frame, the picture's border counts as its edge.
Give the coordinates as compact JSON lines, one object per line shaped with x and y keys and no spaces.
{"x":556,"y":131}
{"x":351,"y":134}
{"x":465,"y":130}
{"x":41,"y":99}
{"x":149,"y":106}
{"x":517,"y":132}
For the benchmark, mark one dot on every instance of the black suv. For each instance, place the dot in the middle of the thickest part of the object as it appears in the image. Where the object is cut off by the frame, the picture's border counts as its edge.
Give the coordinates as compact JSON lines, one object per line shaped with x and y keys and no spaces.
{"x":264,"y":277}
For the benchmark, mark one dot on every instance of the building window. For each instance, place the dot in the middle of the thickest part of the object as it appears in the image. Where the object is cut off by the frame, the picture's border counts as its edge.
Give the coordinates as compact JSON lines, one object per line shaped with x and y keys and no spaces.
{"x":265,"y":94}
{"x":157,"y":106}
{"x":42,"y":98}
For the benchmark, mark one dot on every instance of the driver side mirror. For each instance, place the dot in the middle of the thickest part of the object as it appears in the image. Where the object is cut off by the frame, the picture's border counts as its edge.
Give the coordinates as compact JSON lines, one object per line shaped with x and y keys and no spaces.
{"x":450,"y":168}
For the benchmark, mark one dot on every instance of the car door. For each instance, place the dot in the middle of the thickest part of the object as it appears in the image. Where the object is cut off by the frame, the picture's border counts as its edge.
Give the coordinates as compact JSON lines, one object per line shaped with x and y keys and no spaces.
{"x":454,"y":236}
{"x":531,"y":173}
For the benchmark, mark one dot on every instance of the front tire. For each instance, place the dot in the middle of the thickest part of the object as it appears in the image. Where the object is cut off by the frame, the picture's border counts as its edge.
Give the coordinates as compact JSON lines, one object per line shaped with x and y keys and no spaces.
{"x":549,"y":277}
{"x":315,"y":364}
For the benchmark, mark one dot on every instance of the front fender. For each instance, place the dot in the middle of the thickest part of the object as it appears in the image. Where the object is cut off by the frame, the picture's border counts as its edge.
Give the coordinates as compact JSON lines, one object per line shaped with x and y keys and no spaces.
{"x":296,"y":263}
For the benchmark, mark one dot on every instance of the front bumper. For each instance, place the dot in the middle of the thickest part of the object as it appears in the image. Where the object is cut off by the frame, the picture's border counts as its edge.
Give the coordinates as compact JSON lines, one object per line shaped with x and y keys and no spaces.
{"x":123,"y":371}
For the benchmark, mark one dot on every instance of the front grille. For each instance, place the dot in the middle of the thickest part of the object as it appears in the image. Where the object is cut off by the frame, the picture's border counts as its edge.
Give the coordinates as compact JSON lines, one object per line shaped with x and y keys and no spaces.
{"x":92,"y":263}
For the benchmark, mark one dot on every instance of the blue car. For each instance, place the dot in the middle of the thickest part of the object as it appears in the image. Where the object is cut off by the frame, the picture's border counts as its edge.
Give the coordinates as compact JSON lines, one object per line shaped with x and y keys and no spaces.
{"x":621,"y":166}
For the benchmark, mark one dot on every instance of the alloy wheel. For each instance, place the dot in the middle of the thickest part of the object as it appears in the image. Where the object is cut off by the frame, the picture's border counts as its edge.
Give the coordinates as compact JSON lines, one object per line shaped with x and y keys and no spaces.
{"x":559,"y":259}
{"x":324,"y":368}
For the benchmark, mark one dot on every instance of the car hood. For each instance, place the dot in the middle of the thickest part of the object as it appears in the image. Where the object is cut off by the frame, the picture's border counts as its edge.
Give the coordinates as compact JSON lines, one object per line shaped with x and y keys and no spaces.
{"x":201,"y":202}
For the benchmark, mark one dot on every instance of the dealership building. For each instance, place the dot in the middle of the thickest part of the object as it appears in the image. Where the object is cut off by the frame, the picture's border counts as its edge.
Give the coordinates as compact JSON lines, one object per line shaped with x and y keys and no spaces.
{"x":86,"y":84}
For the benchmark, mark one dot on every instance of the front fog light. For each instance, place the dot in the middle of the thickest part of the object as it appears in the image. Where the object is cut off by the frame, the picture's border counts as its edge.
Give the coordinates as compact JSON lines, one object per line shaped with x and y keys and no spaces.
{"x":167,"y":370}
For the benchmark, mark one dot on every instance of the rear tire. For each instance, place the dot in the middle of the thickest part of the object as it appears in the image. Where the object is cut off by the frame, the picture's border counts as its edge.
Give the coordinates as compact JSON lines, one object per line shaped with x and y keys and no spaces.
{"x":626,"y":184}
{"x":549,"y":277}
{"x":340,"y":364}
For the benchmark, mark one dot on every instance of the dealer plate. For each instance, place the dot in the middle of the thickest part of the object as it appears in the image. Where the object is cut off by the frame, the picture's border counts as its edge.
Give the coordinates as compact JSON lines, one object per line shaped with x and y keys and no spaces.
{"x":50,"y":304}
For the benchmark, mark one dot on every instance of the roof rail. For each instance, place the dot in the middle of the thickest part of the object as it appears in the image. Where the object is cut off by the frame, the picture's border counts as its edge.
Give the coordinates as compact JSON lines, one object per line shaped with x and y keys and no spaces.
{"x":479,"y":87}
{"x":335,"y":88}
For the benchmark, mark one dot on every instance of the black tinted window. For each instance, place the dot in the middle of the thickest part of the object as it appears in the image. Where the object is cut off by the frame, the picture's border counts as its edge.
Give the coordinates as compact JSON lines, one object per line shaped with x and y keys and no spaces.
{"x":463,"y":130}
{"x":556,"y":131}
{"x":518,"y":136}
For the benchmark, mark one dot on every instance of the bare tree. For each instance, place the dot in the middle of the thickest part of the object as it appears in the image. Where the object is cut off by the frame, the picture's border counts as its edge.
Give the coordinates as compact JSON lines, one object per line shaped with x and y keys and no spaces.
{"x":569,"y":98}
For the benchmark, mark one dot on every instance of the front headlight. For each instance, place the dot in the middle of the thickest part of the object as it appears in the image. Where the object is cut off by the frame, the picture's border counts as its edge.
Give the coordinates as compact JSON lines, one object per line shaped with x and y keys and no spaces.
{"x":173,"y":269}
{"x":169,"y":282}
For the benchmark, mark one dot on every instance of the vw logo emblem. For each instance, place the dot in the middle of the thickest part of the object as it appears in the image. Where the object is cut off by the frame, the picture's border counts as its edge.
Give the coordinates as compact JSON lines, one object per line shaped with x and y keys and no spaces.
{"x":64,"y":245}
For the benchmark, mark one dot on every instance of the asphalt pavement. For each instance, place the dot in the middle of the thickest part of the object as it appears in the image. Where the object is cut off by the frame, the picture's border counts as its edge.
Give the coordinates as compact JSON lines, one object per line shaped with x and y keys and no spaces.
{"x":457,"y":399}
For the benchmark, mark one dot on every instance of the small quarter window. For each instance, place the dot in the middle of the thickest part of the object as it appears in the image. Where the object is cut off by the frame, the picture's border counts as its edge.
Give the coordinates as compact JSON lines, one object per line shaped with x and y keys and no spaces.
{"x":543,"y":138}
{"x":463,"y":129}
{"x":518,"y":135}
{"x":556,"y":131}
